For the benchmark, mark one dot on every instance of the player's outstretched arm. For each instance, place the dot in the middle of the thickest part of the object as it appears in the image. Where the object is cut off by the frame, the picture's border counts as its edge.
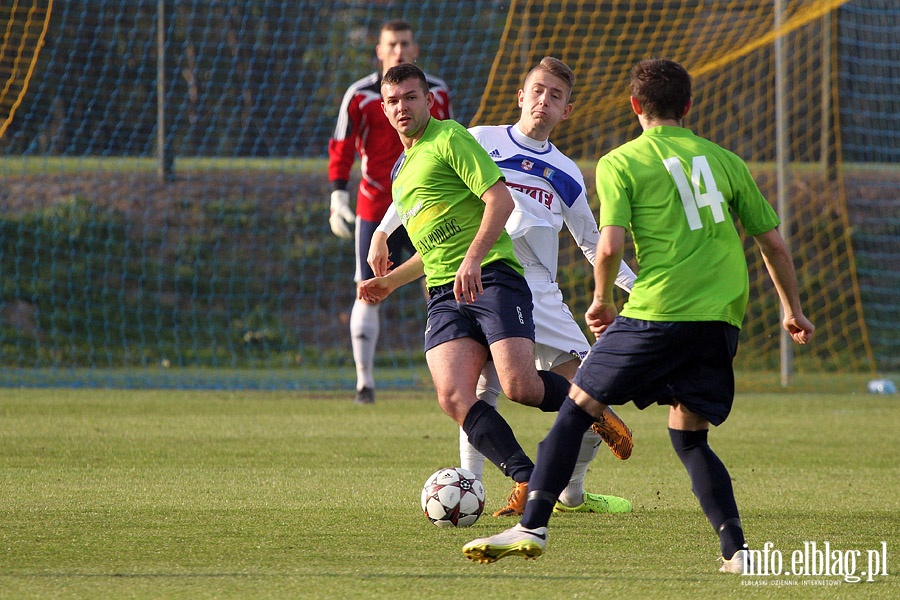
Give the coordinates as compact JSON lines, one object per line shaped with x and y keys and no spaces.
{"x":781,"y":270}
{"x":376,"y":289}
{"x":579,"y":218}
{"x":602,"y":311}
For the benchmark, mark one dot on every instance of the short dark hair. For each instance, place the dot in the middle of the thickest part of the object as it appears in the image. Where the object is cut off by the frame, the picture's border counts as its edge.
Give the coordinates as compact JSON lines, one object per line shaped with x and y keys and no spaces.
{"x":558,"y":68}
{"x":662,"y":87}
{"x":402,"y":72}
{"x":396,"y":25}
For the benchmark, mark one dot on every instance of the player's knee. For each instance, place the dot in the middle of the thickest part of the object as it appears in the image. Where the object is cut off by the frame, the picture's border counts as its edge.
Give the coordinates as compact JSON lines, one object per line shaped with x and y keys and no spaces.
{"x":524,"y":391}
{"x":453,"y":405}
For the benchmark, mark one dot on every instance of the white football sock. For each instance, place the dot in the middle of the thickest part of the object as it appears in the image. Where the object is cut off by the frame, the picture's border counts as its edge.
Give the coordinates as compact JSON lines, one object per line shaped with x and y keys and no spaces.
{"x":488,"y":390}
{"x":364,"y":329}
{"x":573,"y":495}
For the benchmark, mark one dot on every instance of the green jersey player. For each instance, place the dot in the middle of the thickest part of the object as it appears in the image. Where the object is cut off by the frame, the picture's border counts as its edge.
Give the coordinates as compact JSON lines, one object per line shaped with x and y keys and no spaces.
{"x":440,"y":215}
{"x":453,"y":202}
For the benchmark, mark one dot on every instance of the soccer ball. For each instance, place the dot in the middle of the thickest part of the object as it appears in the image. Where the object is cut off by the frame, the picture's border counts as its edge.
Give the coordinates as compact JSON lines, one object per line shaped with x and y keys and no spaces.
{"x":453,"y":497}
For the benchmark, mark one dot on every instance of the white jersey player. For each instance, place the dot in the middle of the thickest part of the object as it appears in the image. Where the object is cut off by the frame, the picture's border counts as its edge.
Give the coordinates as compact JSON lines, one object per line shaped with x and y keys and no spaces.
{"x":549,"y":191}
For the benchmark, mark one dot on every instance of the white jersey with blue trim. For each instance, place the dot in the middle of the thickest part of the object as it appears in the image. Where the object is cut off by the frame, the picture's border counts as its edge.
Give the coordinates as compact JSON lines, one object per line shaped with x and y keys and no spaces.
{"x":548,"y":188}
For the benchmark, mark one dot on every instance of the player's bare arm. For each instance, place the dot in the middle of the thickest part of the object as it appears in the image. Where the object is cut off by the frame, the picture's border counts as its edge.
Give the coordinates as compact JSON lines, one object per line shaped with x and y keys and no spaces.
{"x":378,"y":254}
{"x":376,"y":289}
{"x":781,"y":270}
{"x":610,"y":247}
{"x":378,"y":257}
{"x":498,"y":206}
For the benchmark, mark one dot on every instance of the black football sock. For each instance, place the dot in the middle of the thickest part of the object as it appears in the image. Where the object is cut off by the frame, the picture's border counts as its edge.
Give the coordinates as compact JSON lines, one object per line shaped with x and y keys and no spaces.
{"x":711,"y":485}
{"x":731,"y":537}
{"x":491,"y":435}
{"x":557,"y":454}
{"x":556,"y":389}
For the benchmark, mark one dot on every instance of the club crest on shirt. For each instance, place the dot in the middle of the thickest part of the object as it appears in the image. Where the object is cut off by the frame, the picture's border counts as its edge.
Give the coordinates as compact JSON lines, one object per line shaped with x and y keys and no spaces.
{"x":406,"y":215}
{"x":527,"y":165}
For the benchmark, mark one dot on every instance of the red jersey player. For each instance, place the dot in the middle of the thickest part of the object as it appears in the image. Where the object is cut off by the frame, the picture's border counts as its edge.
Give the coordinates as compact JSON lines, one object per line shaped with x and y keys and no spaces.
{"x":363,"y":128}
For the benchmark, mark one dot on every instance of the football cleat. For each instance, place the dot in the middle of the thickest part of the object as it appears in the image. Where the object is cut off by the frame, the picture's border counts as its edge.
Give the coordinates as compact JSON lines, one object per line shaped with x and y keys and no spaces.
{"x":515,"y":502}
{"x":596,"y":503}
{"x":738,"y":564}
{"x":515,"y":541}
{"x":365,"y":396}
{"x":615,"y":433}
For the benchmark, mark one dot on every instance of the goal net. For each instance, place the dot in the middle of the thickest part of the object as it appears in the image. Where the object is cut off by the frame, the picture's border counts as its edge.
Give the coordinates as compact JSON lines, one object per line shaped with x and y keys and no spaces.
{"x":225,"y":273}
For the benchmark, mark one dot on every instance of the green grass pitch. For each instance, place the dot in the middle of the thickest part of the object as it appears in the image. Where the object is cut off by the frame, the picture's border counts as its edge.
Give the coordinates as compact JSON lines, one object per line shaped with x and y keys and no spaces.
{"x":185,"y":494}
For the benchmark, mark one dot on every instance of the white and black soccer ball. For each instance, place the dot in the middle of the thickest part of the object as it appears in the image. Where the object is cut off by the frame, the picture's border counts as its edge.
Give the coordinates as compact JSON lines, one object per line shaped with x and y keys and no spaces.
{"x":453,"y":497}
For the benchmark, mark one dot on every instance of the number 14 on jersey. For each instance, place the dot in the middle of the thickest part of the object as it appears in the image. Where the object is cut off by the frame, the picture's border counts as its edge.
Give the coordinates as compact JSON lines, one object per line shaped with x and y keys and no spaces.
{"x":691,"y":197}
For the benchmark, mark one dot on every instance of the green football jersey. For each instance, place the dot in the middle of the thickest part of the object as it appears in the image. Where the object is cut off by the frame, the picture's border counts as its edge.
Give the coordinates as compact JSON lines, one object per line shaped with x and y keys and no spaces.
{"x":437,"y":188}
{"x":679,"y":193}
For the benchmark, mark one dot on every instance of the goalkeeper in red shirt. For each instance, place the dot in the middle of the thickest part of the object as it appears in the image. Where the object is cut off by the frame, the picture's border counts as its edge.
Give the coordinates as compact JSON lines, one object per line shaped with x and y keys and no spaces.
{"x":362,"y":128}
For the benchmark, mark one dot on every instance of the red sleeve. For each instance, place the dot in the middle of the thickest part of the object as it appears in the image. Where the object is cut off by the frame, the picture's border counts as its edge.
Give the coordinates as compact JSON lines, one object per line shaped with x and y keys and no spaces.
{"x":342,"y":145}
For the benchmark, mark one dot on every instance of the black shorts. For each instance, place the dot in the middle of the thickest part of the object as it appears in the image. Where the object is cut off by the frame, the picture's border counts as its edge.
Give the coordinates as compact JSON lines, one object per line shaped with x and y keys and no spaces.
{"x":399,"y":248}
{"x":502,"y":311}
{"x":651,"y":362}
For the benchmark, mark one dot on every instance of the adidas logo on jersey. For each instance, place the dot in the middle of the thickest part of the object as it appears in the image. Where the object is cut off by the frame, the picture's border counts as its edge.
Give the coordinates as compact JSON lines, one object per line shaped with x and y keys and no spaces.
{"x":495,"y":153}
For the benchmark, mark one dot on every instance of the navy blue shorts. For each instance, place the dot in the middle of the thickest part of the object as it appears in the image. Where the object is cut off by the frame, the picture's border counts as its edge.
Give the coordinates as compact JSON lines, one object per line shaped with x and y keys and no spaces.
{"x":502,"y":311}
{"x":399,"y":248}
{"x":651,"y":362}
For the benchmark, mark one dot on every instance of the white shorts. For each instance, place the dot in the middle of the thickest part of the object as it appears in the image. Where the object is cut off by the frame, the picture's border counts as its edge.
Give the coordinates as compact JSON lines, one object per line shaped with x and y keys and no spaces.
{"x":557,"y":336}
